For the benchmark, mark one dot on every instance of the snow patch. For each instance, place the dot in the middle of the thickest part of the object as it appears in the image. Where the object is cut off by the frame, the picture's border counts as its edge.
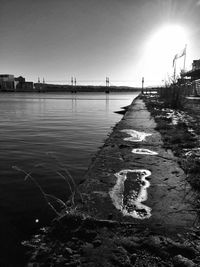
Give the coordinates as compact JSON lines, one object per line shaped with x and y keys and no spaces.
{"x":130,"y":203}
{"x":135,"y":135}
{"x":144,"y":151}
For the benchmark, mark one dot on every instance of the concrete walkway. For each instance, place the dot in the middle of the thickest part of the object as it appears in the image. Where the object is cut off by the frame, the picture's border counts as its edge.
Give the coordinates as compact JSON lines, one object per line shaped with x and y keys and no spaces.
{"x":145,"y":189}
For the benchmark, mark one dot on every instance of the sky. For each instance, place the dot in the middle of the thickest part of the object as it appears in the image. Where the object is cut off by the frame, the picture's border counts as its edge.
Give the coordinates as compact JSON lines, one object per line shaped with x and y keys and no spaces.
{"x":124,"y":40}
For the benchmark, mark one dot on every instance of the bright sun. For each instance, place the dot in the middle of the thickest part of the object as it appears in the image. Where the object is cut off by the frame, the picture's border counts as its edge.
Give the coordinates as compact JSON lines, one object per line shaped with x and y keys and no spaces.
{"x":168,"y":39}
{"x":161,"y":49}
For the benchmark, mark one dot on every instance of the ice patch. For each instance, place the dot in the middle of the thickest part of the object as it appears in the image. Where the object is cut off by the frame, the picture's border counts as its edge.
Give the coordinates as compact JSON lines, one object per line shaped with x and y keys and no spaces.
{"x":144,"y":151}
{"x":130,"y":204}
{"x":194,"y":152}
{"x":135,"y":135}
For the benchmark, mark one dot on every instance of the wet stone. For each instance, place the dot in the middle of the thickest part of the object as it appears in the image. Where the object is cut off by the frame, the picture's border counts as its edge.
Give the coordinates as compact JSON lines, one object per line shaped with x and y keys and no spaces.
{"x":110,"y":216}
{"x":129,"y":245}
{"x":133,"y":258}
{"x":119,"y":257}
{"x":68,"y":251}
{"x":87,"y":235}
{"x":180,"y":261}
{"x":97,"y":243}
{"x":72,"y":264}
{"x":87,"y":248}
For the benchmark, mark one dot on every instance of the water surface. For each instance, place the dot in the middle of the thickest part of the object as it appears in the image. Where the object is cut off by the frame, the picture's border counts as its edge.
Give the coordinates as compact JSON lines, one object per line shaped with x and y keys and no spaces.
{"x":44,"y":134}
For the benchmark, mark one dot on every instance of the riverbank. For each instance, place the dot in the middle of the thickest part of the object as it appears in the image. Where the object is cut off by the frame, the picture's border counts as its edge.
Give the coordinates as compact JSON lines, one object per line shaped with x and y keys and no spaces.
{"x":135,"y":207}
{"x":56,"y":88}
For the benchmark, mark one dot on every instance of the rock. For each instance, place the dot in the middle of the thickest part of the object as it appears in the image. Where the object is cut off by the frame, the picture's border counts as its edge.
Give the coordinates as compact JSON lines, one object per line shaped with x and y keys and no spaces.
{"x":97,"y":243}
{"x":75,"y":239}
{"x":72,"y":264}
{"x":76,"y":256}
{"x":164,"y":247}
{"x":197,"y":261}
{"x":176,"y":248}
{"x":129,"y":245}
{"x":68,"y":251}
{"x":110,"y":216}
{"x":87,"y":235}
{"x":120,"y":258}
{"x":137,"y":239}
{"x":180,"y":261}
{"x":33,"y":264}
{"x":156,"y":245}
{"x":71,"y":245}
{"x":133,"y":258}
{"x":153,"y":242}
{"x":87,"y":248}
{"x":60,"y":261}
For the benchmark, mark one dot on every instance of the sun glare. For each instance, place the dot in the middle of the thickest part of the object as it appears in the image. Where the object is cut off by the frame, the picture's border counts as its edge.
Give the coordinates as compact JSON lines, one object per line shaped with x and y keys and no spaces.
{"x":168,"y":39}
{"x":163,"y":45}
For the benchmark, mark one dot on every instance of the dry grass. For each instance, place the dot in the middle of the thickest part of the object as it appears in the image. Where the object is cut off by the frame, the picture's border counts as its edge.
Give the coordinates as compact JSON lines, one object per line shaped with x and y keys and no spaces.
{"x":57,"y":205}
{"x":179,"y":140}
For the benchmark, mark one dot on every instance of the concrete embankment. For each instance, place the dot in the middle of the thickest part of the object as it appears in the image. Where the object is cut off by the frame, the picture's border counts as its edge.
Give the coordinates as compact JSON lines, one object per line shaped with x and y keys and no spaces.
{"x":133,"y":178}
{"x":136,"y":209}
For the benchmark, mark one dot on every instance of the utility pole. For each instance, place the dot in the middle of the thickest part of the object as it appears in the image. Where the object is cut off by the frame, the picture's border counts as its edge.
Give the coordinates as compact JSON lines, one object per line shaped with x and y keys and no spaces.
{"x":174,"y":71}
{"x":107,"y":82}
{"x":142,"y":85}
{"x":75,"y":81}
{"x":72,"y":81}
{"x":43,"y":80}
{"x":184,"y":58}
{"x":38,"y":79}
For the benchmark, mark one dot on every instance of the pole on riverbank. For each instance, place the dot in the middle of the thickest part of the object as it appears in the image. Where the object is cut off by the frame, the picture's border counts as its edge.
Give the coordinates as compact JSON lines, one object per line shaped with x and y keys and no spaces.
{"x":174,"y":71}
{"x":184,"y":58}
{"x":142,"y":85}
{"x":107,"y":82}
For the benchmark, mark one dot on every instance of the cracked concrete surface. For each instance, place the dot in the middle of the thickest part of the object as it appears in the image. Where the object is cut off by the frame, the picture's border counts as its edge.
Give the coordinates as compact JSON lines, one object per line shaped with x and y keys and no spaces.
{"x":169,"y":195}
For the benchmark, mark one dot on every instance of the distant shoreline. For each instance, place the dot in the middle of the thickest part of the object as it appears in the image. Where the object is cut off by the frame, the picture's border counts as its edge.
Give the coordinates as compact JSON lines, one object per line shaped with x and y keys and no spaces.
{"x":51,"y":88}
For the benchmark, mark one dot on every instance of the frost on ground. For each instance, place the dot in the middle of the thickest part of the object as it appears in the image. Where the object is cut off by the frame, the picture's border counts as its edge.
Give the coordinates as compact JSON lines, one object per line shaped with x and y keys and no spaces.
{"x":144,"y":151}
{"x":130,"y":191}
{"x":136,"y":136}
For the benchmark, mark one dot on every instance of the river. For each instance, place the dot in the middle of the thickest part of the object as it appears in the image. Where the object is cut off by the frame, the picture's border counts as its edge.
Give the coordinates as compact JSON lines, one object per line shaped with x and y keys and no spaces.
{"x":43,"y":134}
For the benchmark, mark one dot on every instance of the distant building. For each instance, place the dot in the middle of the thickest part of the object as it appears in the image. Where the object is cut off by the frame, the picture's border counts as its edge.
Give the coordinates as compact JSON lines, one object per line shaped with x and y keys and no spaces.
{"x":6,"y":77}
{"x":7,"y":82}
{"x":20,"y":79}
{"x":22,"y":85}
{"x":196,"y":65}
{"x":194,"y":76}
{"x":194,"y":73}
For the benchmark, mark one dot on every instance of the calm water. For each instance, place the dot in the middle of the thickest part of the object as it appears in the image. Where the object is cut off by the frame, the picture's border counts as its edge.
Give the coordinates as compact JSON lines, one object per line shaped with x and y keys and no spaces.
{"x":42,"y":134}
